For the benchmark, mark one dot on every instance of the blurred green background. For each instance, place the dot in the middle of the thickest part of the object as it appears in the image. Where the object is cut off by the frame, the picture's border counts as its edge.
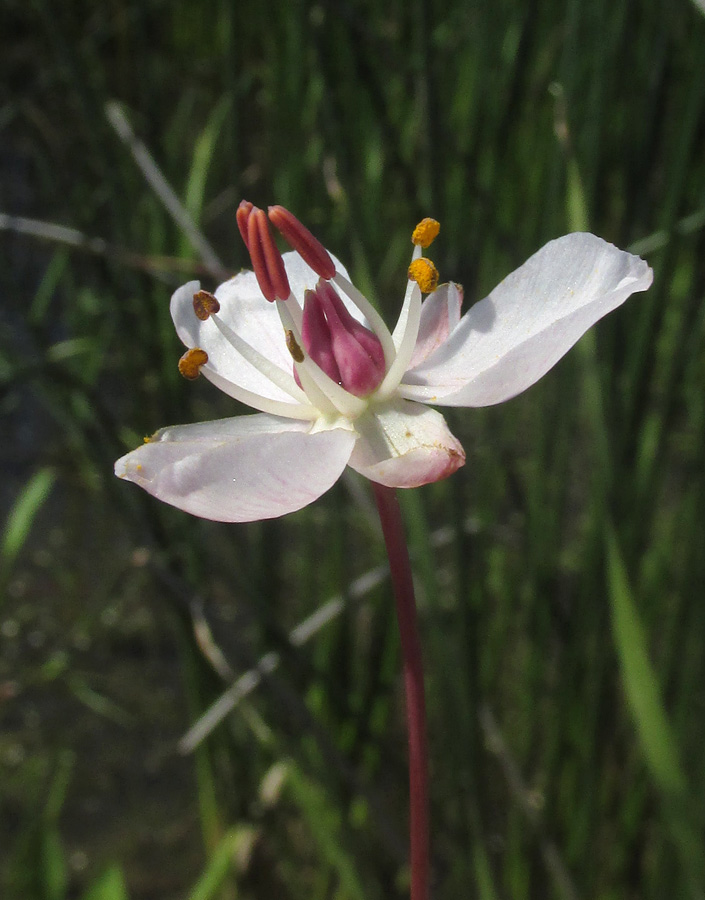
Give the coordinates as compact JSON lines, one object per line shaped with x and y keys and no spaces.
{"x":560,"y":573}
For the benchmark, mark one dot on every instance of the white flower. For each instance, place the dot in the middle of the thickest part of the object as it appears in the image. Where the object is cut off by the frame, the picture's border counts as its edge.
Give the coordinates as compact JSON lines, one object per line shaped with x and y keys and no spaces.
{"x":334,"y":387}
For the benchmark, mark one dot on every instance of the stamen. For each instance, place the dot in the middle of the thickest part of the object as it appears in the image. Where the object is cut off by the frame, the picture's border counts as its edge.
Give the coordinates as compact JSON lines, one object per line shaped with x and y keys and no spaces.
{"x":314,"y":393}
{"x":191,"y":362}
{"x":300,"y":238}
{"x":400,"y":327}
{"x":406,"y":332}
{"x":332,"y":395}
{"x":313,"y":332}
{"x":266,"y":259}
{"x":271,"y":370}
{"x":425,"y":274}
{"x":304,"y":411}
{"x":205,"y":305}
{"x":297,"y":354}
{"x":242,"y":216}
{"x":425,"y":232}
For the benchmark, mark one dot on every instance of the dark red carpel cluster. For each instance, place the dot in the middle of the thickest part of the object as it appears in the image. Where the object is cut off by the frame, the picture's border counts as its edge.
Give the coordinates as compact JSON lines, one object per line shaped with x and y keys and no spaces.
{"x":267,"y":261}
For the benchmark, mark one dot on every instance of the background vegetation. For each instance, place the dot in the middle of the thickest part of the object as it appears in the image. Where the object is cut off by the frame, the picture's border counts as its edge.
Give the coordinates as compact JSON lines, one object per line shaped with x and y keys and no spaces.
{"x":560,"y":573}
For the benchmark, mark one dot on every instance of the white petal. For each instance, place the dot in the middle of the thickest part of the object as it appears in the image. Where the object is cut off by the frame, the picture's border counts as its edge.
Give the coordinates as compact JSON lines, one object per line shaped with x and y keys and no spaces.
{"x":404,"y":444}
{"x":302,"y":277}
{"x":440,"y":313}
{"x":245,"y":310}
{"x":510,"y":339}
{"x":241,"y":469}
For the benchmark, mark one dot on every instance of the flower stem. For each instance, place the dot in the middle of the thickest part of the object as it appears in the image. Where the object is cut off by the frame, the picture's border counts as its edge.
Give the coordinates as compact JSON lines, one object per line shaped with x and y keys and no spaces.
{"x":400,"y":567}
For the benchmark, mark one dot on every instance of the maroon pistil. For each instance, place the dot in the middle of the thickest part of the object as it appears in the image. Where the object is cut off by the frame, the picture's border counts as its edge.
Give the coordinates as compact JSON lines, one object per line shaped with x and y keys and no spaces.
{"x":340,"y":345}
{"x":266,"y":259}
{"x":315,"y":332}
{"x":241,"y":217}
{"x":300,"y":238}
{"x":365,"y":338}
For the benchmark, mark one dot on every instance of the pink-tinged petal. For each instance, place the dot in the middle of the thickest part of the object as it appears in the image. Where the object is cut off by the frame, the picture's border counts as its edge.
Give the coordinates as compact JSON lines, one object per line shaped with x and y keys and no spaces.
{"x":241,"y":469}
{"x":405,"y":445}
{"x":440,"y":313}
{"x":507,"y":341}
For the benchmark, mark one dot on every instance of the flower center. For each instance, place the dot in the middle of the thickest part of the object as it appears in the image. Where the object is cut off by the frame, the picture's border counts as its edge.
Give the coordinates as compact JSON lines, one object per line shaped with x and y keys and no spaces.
{"x":340,"y":365}
{"x":338,"y":361}
{"x":348,"y":353}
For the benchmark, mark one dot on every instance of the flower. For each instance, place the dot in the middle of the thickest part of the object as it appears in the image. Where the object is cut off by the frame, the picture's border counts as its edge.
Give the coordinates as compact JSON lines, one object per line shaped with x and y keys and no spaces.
{"x":334,"y":387}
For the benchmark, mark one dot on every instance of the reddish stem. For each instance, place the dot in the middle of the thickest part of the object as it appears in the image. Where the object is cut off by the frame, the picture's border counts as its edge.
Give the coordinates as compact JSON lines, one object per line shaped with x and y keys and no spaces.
{"x":400,"y":568}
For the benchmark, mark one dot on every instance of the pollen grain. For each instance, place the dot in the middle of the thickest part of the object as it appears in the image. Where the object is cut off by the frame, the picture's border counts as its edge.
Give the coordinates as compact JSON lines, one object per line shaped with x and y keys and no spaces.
{"x":191,"y":362}
{"x":205,"y":305}
{"x":425,"y":274}
{"x":297,"y":354}
{"x":425,"y":232}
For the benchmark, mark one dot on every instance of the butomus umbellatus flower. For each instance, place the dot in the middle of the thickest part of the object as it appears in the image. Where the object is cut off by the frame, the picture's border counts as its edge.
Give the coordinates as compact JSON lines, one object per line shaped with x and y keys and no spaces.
{"x":334,"y":387}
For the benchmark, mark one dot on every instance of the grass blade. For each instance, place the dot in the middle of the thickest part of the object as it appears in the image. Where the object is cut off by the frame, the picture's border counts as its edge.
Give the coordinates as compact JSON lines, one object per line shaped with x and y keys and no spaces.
{"x":219,"y":866}
{"x":640,"y":682}
{"x":19,"y":521}
{"x":109,"y":886}
{"x":325,"y":823}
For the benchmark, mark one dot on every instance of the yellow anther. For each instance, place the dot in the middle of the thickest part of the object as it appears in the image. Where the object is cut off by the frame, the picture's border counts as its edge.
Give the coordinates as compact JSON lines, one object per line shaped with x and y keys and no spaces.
{"x":191,"y":362}
{"x":425,"y":232}
{"x":425,"y":274}
{"x":297,"y":354}
{"x":205,"y":305}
